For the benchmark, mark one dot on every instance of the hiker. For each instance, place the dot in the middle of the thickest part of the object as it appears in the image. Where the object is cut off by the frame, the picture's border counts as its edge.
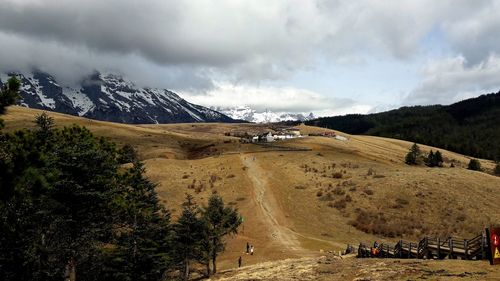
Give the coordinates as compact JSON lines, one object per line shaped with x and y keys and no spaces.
{"x":251,"y":250}
{"x":239,"y":262}
{"x":248,"y":248}
{"x":375,"y":245}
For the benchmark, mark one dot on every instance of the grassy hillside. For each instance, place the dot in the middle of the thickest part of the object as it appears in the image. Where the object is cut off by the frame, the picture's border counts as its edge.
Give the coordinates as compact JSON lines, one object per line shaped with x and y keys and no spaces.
{"x":302,"y":203}
{"x":471,"y":127}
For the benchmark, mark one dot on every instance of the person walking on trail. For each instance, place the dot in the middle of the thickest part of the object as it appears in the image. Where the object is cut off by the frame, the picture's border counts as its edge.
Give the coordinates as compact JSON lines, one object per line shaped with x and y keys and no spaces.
{"x":239,"y":261}
{"x":251,"y":250}
{"x":248,"y":248}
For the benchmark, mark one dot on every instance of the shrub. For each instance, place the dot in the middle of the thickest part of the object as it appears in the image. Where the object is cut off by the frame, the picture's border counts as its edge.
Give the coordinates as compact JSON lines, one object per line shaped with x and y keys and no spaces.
{"x":368,"y":191}
{"x":474,"y":165}
{"x":340,"y":204}
{"x":327,"y":197}
{"x":337,"y":175}
{"x":338,"y":191}
{"x":497,"y":169}
{"x":402,"y":201}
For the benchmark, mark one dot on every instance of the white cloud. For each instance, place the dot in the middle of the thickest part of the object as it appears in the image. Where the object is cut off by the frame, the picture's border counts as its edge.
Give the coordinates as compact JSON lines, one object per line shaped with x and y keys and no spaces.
{"x":276,"y":99}
{"x":449,"y":80}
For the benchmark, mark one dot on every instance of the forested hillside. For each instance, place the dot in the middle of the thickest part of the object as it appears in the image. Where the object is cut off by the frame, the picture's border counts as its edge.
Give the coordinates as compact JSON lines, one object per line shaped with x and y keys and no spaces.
{"x":470,"y":127}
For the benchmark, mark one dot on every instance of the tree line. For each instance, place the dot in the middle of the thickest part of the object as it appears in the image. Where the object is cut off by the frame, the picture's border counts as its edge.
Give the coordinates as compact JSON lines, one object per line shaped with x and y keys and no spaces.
{"x":435,"y":159}
{"x":470,"y":127}
{"x":70,"y":210}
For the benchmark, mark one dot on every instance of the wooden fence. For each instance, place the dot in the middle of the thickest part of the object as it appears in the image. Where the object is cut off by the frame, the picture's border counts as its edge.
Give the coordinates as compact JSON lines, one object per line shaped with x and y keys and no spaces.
{"x":430,"y":248}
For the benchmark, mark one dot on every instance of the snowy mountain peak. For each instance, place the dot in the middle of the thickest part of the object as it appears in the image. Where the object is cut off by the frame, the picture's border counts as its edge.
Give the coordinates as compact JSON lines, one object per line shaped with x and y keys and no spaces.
{"x":109,"y":97}
{"x":248,"y":114}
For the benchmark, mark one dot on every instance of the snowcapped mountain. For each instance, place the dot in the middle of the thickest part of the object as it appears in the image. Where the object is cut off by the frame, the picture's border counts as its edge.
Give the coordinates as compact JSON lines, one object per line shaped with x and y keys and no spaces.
{"x":109,"y":97}
{"x":251,"y":115}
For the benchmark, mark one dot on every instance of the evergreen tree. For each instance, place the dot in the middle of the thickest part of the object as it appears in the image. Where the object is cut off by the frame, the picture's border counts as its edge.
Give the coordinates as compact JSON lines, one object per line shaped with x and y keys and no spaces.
{"x":219,"y":221}
{"x":128,"y":154}
{"x":9,"y":94}
{"x":430,"y":159}
{"x":189,"y":231}
{"x":45,"y":123}
{"x":474,"y":165}
{"x":434,"y":159}
{"x":143,"y":247}
{"x":414,"y":155}
{"x":438,"y":159}
{"x":497,"y":169}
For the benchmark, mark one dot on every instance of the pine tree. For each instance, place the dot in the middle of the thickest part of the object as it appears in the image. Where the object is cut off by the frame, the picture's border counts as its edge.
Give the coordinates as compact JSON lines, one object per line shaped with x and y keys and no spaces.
{"x":413,"y":156}
{"x":144,"y":249}
{"x":188,"y":237}
{"x":128,"y":154}
{"x":430,"y":159}
{"x":438,"y":159}
{"x":9,"y":94}
{"x":219,"y":221}
{"x":497,"y":169}
{"x":44,"y":122}
{"x":474,"y":165}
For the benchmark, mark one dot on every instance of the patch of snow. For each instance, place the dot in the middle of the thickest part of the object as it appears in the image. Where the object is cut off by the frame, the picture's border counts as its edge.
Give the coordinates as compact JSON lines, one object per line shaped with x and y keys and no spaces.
{"x":45,"y":101}
{"x":80,"y":101}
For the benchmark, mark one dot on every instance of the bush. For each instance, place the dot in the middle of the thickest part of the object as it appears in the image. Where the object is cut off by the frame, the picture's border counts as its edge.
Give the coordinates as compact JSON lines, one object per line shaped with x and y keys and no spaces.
{"x":368,"y":191}
{"x":474,"y":165}
{"x":340,"y":204}
{"x":338,"y":191}
{"x":337,"y":175}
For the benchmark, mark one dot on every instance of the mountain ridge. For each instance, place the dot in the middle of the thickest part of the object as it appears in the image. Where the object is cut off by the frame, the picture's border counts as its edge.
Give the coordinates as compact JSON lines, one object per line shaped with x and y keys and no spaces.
{"x":109,"y":97}
{"x":470,"y":127}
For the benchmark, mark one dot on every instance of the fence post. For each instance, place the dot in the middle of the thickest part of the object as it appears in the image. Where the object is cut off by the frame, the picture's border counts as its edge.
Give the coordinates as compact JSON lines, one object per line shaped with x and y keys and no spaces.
{"x":483,"y":240}
{"x":450,"y":245}
{"x":400,"y":248}
{"x":439,"y":248}
{"x":466,"y":247}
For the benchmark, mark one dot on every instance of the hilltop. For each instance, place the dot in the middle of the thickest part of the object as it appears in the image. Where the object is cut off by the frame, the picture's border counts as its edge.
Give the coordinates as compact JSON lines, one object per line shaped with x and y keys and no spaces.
{"x":471,"y":127}
{"x":317,"y":195}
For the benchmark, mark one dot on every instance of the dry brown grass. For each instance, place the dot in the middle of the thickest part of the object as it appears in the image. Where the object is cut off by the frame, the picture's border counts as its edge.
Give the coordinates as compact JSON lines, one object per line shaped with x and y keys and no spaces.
{"x":392,"y":201}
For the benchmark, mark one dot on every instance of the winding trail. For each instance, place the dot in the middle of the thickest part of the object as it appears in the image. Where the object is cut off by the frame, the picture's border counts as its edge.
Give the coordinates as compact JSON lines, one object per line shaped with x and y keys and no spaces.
{"x":273,"y":214}
{"x":269,"y":207}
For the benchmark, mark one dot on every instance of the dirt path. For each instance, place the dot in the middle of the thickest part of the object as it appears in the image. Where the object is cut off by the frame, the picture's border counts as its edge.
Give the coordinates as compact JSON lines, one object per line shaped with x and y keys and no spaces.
{"x":331,"y":267}
{"x":269,"y":207}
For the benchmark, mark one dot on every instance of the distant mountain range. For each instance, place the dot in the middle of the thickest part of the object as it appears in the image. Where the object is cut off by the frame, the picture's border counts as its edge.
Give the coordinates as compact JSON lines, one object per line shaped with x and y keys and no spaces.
{"x":109,"y":97}
{"x":248,"y":114}
{"x":469,"y":127}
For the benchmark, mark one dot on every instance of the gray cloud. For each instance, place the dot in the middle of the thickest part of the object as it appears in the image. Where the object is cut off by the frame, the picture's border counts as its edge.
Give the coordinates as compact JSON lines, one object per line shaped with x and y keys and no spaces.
{"x":192,"y":45}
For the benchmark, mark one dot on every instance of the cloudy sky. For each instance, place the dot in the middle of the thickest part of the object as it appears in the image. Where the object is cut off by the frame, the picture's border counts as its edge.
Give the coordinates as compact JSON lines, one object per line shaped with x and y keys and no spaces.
{"x":323,"y":56}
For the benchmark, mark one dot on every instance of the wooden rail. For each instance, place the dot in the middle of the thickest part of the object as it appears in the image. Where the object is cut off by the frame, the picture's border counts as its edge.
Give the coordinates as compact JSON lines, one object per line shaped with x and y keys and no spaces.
{"x":430,"y":248}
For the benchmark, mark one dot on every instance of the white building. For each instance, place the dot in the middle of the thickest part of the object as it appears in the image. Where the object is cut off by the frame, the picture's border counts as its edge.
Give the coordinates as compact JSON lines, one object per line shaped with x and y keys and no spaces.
{"x":269,"y":137}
